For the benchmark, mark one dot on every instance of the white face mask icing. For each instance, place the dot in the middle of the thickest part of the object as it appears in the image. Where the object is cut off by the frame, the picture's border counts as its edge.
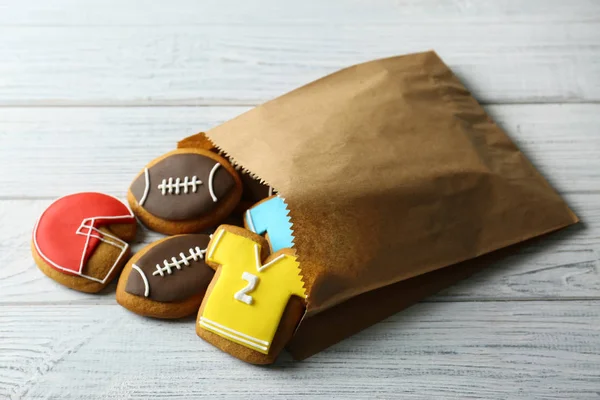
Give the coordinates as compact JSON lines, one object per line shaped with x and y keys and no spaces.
{"x":87,"y":229}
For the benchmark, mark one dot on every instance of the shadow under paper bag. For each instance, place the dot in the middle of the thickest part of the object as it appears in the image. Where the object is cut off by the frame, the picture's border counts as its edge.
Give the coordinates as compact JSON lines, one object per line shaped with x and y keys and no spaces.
{"x":393,"y":174}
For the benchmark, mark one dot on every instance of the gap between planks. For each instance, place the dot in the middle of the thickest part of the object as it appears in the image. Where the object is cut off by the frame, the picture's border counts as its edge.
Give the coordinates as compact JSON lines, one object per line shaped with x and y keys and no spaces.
{"x":424,"y":301}
{"x":235,"y":103}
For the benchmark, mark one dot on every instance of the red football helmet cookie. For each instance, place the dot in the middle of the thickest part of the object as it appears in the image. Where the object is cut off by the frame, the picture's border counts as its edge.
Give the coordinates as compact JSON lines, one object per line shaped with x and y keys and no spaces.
{"x":68,"y":232}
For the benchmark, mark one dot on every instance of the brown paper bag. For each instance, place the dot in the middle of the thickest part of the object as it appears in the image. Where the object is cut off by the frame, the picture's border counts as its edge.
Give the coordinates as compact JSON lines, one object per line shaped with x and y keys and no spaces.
{"x":391,"y":171}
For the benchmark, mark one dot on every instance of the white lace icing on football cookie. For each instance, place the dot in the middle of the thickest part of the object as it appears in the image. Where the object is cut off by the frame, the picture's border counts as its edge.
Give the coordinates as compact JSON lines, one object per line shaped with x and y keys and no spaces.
{"x":186,"y":185}
{"x":146,"y":188}
{"x":146,"y":285}
{"x":175,"y":186}
{"x":211,"y":177}
{"x":196,"y":253}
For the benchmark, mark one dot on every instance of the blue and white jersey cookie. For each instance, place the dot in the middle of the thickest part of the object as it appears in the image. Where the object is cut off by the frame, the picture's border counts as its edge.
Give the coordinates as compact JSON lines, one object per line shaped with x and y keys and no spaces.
{"x":270,"y":217}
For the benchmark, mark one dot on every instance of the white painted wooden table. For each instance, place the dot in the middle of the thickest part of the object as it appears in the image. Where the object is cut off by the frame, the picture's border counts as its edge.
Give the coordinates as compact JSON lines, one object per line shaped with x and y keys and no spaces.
{"x":91,"y":91}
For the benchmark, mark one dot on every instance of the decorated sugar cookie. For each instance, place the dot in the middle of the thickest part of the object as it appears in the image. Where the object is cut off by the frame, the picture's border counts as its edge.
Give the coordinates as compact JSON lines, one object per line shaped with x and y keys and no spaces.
{"x":254,"y":191}
{"x":270,"y":217}
{"x":255,"y":301}
{"x":185,"y":191}
{"x":166,"y":279}
{"x":80,"y":240}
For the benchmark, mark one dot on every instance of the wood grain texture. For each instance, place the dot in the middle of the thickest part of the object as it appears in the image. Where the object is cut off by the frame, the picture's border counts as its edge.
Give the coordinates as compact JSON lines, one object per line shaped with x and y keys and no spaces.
{"x":541,"y":350}
{"x":228,"y":52}
{"x":232,"y":12}
{"x":101,"y":149}
{"x":565,"y":265}
{"x":525,"y":328}
{"x":67,"y":150}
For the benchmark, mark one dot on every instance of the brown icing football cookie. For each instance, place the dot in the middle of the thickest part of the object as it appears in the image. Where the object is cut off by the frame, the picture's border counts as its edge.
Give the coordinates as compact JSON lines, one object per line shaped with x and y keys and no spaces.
{"x":80,"y":240}
{"x":254,"y":191}
{"x":185,"y":191}
{"x":255,"y":300}
{"x":166,"y":279}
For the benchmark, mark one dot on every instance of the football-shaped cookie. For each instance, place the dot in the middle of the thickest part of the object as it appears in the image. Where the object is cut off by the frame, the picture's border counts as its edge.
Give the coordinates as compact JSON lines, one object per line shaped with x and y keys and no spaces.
{"x":254,"y":191}
{"x":168,"y":278}
{"x":185,"y":191}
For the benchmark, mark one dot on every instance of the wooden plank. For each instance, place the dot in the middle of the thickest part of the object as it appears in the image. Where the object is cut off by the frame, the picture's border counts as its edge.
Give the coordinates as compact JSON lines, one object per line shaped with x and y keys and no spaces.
{"x":525,"y":350}
{"x":191,"y":53}
{"x":334,"y":12}
{"x":553,"y":268}
{"x":91,"y":149}
{"x":65,"y":150}
{"x":21,"y":282}
{"x":562,"y":141}
{"x":562,"y":266}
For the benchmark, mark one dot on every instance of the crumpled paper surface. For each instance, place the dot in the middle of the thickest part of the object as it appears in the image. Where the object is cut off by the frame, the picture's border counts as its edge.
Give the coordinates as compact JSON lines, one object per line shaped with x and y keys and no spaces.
{"x":391,"y":170}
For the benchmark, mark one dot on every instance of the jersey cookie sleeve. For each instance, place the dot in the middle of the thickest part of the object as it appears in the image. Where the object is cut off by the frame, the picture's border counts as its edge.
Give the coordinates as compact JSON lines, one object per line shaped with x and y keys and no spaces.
{"x":225,"y":249}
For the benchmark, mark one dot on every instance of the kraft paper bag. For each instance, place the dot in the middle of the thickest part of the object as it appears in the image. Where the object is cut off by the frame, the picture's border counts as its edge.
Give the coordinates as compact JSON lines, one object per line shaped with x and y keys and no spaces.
{"x":395,"y":177}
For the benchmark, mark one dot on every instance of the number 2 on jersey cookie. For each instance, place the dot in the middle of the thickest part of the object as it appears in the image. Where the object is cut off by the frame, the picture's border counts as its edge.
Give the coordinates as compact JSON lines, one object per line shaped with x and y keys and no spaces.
{"x":242,"y":295}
